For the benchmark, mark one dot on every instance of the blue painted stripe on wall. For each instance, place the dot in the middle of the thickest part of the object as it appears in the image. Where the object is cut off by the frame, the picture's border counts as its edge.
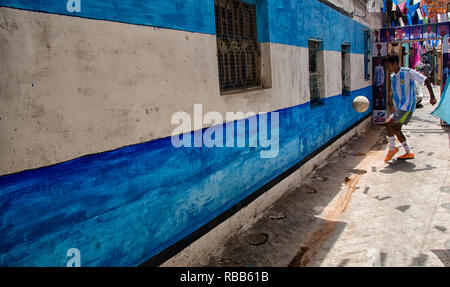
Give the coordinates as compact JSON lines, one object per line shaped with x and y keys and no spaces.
{"x":122,"y":207}
{"x":288,"y":22}
{"x":186,"y":15}
{"x":295,"y":22}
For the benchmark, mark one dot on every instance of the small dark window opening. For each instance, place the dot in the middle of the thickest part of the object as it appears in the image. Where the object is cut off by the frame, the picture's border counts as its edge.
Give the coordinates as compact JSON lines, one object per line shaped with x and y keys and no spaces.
{"x":316,"y":71}
{"x":345,"y":69}
{"x":238,"y":51}
{"x":367,"y":48}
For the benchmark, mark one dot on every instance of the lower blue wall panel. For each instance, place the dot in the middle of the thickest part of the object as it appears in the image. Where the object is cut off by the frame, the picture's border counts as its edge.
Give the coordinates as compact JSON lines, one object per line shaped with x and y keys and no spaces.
{"x":122,"y":207}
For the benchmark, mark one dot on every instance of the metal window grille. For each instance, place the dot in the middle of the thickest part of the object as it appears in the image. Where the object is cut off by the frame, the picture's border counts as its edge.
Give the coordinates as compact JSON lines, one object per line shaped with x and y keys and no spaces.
{"x":238,"y":52}
{"x":315,"y":72}
{"x":367,"y":47}
{"x":345,"y":71}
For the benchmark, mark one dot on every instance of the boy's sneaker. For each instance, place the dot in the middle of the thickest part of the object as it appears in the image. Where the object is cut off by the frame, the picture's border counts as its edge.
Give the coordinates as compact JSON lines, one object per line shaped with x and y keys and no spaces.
{"x":406,"y":156}
{"x":391,"y":154}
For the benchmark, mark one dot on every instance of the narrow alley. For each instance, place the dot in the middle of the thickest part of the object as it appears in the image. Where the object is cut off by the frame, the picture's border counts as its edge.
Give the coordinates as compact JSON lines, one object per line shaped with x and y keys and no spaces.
{"x":224,"y":133}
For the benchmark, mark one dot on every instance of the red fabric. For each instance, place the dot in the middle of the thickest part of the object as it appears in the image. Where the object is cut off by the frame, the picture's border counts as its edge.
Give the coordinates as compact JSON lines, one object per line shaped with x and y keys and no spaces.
{"x":403,"y":8}
{"x":416,"y":55}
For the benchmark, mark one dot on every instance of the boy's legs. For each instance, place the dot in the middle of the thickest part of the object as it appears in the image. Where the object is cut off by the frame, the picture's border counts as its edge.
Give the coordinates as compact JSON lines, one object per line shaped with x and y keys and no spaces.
{"x":402,"y":139}
{"x":390,"y":123}
{"x":394,"y":128}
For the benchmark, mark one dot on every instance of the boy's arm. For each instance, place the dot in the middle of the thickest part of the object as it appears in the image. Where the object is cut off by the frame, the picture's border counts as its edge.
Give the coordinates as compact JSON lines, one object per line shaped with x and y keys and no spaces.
{"x":390,"y":102}
{"x":420,"y":77}
{"x":433,"y":100}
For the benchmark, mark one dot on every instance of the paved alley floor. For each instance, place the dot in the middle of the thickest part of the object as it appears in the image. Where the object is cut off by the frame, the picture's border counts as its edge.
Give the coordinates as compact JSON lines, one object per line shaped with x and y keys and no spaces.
{"x":358,"y":210}
{"x":400,"y":215}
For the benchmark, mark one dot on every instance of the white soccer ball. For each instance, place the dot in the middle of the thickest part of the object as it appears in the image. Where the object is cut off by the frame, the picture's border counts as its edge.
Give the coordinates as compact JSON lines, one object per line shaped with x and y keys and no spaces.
{"x":361,"y":104}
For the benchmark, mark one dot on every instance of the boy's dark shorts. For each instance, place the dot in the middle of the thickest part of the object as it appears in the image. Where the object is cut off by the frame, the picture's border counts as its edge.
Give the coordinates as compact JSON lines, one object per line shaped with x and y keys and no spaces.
{"x":401,"y":116}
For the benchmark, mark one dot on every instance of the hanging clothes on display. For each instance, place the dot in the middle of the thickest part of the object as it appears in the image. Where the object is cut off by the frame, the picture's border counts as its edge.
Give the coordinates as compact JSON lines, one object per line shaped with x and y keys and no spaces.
{"x":443,"y":109}
{"x":415,"y":56}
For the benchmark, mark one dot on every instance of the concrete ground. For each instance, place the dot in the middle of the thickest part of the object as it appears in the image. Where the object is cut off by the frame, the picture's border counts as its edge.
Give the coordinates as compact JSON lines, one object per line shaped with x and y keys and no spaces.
{"x":357,"y":210}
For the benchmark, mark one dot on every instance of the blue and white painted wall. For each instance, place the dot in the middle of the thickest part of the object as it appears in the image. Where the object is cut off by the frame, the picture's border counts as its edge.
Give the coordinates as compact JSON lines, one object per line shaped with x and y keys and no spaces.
{"x":85,"y":118}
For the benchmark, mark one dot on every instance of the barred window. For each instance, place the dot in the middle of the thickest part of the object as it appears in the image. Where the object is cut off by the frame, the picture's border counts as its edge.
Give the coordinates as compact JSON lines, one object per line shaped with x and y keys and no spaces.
{"x":345,"y":69}
{"x":367,"y":47}
{"x":316,"y":71}
{"x":238,"y":51}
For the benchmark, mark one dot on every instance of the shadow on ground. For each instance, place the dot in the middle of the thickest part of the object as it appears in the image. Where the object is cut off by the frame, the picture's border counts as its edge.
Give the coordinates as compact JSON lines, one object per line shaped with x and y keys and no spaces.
{"x":405,"y":166}
{"x":443,"y":255}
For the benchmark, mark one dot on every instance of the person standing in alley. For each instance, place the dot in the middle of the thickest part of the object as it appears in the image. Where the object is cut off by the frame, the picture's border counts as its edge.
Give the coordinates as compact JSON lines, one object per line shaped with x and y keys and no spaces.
{"x":426,"y":68}
{"x":404,"y":100}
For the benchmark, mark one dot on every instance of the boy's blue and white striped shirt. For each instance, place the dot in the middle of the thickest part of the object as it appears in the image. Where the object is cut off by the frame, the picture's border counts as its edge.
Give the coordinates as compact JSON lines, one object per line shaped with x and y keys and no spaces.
{"x":402,"y":83}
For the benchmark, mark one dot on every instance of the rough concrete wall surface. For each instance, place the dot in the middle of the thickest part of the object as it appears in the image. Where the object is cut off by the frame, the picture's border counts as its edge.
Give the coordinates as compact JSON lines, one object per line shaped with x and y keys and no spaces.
{"x":92,"y":101}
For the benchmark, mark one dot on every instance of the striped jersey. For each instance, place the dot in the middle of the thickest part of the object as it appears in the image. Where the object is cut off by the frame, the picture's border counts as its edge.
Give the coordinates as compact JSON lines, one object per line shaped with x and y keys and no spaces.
{"x":403,"y":88}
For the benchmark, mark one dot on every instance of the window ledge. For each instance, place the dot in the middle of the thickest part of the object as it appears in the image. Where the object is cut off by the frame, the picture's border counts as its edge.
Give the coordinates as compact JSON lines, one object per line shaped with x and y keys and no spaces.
{"x":248,"y":91}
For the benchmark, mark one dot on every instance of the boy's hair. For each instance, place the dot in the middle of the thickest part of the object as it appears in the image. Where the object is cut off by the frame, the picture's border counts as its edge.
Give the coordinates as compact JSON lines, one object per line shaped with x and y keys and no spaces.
{"x":391,"y":59}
